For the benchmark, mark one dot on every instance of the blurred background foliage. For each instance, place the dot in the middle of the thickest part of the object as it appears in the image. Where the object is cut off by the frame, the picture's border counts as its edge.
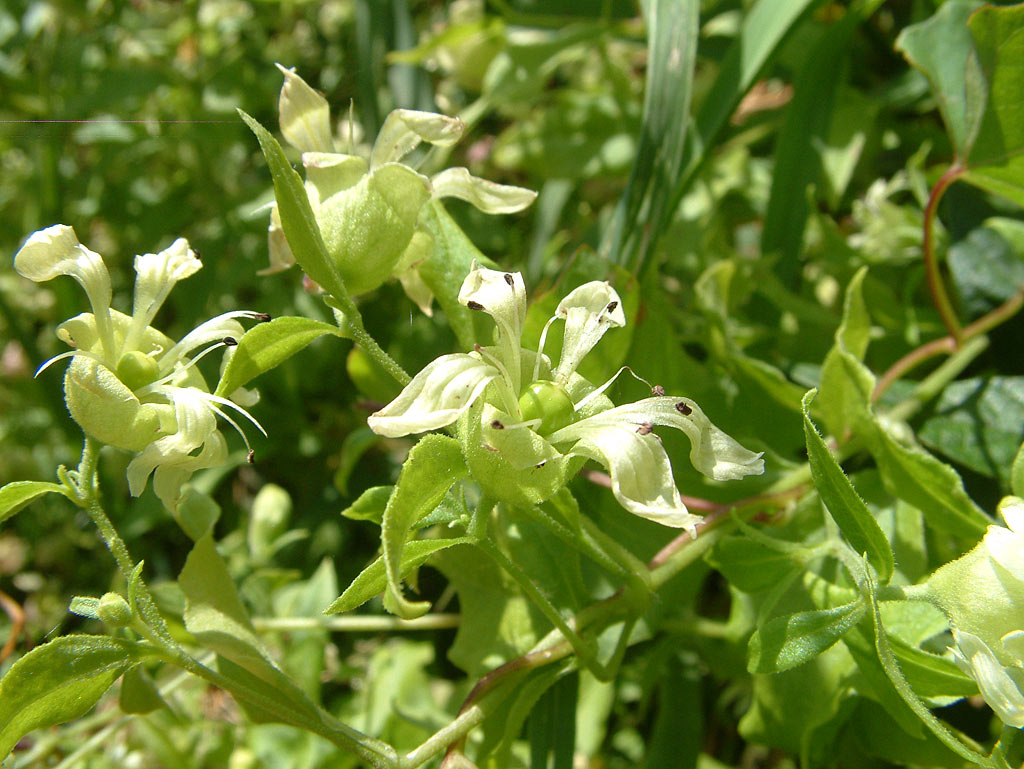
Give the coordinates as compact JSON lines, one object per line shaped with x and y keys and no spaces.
{"x":118,"y":118}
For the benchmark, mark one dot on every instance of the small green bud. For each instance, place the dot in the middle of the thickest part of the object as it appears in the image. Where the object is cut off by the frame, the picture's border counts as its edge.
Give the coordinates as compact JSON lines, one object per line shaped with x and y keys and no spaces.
{"x":136,"y":369}
{"x":549,"y":403}
{"x":113,"y":610}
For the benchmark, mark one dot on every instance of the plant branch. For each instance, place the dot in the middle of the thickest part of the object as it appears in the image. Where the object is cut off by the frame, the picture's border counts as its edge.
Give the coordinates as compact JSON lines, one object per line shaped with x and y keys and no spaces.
{"x":355,"y":624}
{"x":935,"y":285}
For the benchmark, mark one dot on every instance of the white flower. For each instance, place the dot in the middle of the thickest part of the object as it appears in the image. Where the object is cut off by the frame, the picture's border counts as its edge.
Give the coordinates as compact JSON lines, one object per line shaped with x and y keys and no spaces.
{"x":368,"y":209}
{"x":129,"y":385}
{"x":536,"y":420}
{"x":982,"y":593}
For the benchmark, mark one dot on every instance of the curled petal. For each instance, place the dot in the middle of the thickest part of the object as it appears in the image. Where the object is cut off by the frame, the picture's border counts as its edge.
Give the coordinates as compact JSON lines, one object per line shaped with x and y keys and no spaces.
{"x":502,"y":295}
{"x":1002,"y":687}
{"x":589,"y":311}
{"x":489,"y":197}
{"x":56,"y":251}
{"x":404,"y":129}
{"x":1013,"y":645}
{"x":305,"y":116}
{"x":156,"y":275}
{"x":435,"y":397}
{"x":712,"y":452}
{"x":1012,"y":510}
{"x":640,"y":471}
{"x":1006,"y":548}
{"x":213,"y":330}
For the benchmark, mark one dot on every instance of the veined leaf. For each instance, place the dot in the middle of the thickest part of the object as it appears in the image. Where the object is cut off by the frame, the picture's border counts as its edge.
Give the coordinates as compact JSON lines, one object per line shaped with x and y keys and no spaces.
{"x":15,"y":496}
{"x":785,"y":642}
{"x":267,"y":345}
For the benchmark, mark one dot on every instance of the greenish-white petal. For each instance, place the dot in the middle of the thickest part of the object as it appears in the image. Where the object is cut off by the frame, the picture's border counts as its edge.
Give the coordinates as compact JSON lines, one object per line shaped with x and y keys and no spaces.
{"x":502,"y":295}
{"x":408,"y":274}
{"x":588,"y":311}
{"x":1012,"y":510}
{"x":156,"y":275}
{"x":195,"y":423}
{"x":640,"y":471}
{"x":404,"y":129}
{"x":435,"y":397}
{"x":56,"y":251}
{"x":208,"y":332}
{"x":305,"y":116}
{"x":489,"y":197}
{"x":1006,"y":548}
{"x":281,"y":256}
{"x":712,"y":452}
{"x":1001,"y":687}
{"x":1013,"y":646}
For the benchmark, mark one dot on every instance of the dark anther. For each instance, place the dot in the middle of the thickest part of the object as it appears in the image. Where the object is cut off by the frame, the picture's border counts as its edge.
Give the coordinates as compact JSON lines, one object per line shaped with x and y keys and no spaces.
{"x":263,"y":317}
{"x":477,"y":347}
{"x":509,"y":280}
{"x":250,"y":457}
{"x":497,"y":425}
{"x":539,"y":465}
{"x":195,"y":253}
{"x":645,"y":428}
{"x":683,"y":409}
{"x":474,"y":305}
{"x":658,"y":390}
{"x":611,"y":306}
{"x":230,"y":341}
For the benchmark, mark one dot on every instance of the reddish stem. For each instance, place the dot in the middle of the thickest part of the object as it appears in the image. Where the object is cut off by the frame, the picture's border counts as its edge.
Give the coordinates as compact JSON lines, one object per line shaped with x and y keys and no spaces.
{"x":931,"y":263}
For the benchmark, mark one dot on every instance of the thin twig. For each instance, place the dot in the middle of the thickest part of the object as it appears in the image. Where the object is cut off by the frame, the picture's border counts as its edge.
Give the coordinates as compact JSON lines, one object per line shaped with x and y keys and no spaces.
{"x":931,"y":263}
{"x":17,"y":615}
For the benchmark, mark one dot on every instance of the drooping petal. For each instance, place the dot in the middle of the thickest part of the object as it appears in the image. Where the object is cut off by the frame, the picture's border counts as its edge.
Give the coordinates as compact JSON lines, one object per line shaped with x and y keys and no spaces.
{"x":332,"y":172}
{"x":56,"y":251}
{"x":489,"y":197}
{"x":640,"y":470}
{"x":712,"y":452}
{"x":404,"y":129}
{"x":435,"y":397}
{"x":305,"y":116}
{"x":1001,"y":687}
{"x":502,"y":295}
{"x":156,"y":275}
{"x":1012,"y":510}
{"x":195,"y":422}
{"x":589,"y":311}
{"x":169,"y":477}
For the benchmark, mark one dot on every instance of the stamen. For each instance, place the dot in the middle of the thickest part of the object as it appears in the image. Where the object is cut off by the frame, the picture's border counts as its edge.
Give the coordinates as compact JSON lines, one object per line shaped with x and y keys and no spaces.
{"x":250,"y":457}
{"x":540,"y":347}
{"x":68,"y":354}
{"x":645,"y":428}
{"x":611,"y":306}
{"x":474,"y":305}
{"x":230,"y":341}
{"x":262,"y":317}
{"x":497,"y":425}
{"x":658,"y":391}
{"x":590,"y":396}
{"x":509,"y":280}
{"x":683,"y":409}
{"x":174,"y":373}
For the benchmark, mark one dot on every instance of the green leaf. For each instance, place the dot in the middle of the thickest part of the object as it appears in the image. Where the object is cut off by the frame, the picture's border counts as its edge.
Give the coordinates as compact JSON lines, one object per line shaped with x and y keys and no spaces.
{"x":806,"y":124}
{"x":996,"y":159}
{"x":433,"y":465}
{"x":138,"y":693}
{"x":986,"y":267}
{"x":15,"y":496}
{"x":60,"y":681}
{"x":297,"y":218}
{"x":447,"y":267}
{"x":841,"y":403}
{"x":848,"y":510}
{"x":369,"y":506}
{"x":356,"y":443}
{"x":749,"y":565}
{"x":941,"y":47}
{"x":267,"y":345}
{"x":672,"y":27}
{"x":785,"y":642}
{"x":979,"y":423}
{"x":373,"y":580}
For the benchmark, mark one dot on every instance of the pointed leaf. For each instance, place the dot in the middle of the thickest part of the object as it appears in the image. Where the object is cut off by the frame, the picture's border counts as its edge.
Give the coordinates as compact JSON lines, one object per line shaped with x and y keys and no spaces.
{"x":297,"y":218}
{"x":434,"y":464}
{"x":60,"y":681}
{"x":373,"y":580}
{"x":15,"y":496}
{"x":785,"y":642}
{"x":844,"y":504}
{"x":267,"y":345}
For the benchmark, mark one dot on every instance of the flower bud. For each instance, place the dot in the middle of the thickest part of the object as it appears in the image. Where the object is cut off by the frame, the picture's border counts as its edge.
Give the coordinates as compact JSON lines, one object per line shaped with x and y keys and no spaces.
{"x":113,"y":610}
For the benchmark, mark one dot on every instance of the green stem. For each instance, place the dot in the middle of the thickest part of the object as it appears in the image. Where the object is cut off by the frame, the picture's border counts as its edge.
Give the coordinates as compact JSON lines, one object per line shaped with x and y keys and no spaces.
{"x":440,"y":740}
{"x":355,"y":624}
{"x":347,"y":306}
{"x":931,"y":262}
{"x":477,"y":528}
{"x":936,"y":382}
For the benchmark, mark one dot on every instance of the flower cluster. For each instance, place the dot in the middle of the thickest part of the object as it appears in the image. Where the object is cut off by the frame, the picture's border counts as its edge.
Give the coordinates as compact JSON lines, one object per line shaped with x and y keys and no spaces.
{"x":129,"y":385}
{"x":982,"y":593}
{"x":368,"y":209}
{"x":525,"y":426}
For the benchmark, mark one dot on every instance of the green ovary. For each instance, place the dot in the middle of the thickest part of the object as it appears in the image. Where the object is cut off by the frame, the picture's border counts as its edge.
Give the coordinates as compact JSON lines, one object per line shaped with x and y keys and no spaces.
{"x":549,"y":403}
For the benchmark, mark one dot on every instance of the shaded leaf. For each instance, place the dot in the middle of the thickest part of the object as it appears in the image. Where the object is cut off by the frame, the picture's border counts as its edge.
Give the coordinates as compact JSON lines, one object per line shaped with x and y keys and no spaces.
{"x":15,"y":496}
{"x":785,"y":642}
